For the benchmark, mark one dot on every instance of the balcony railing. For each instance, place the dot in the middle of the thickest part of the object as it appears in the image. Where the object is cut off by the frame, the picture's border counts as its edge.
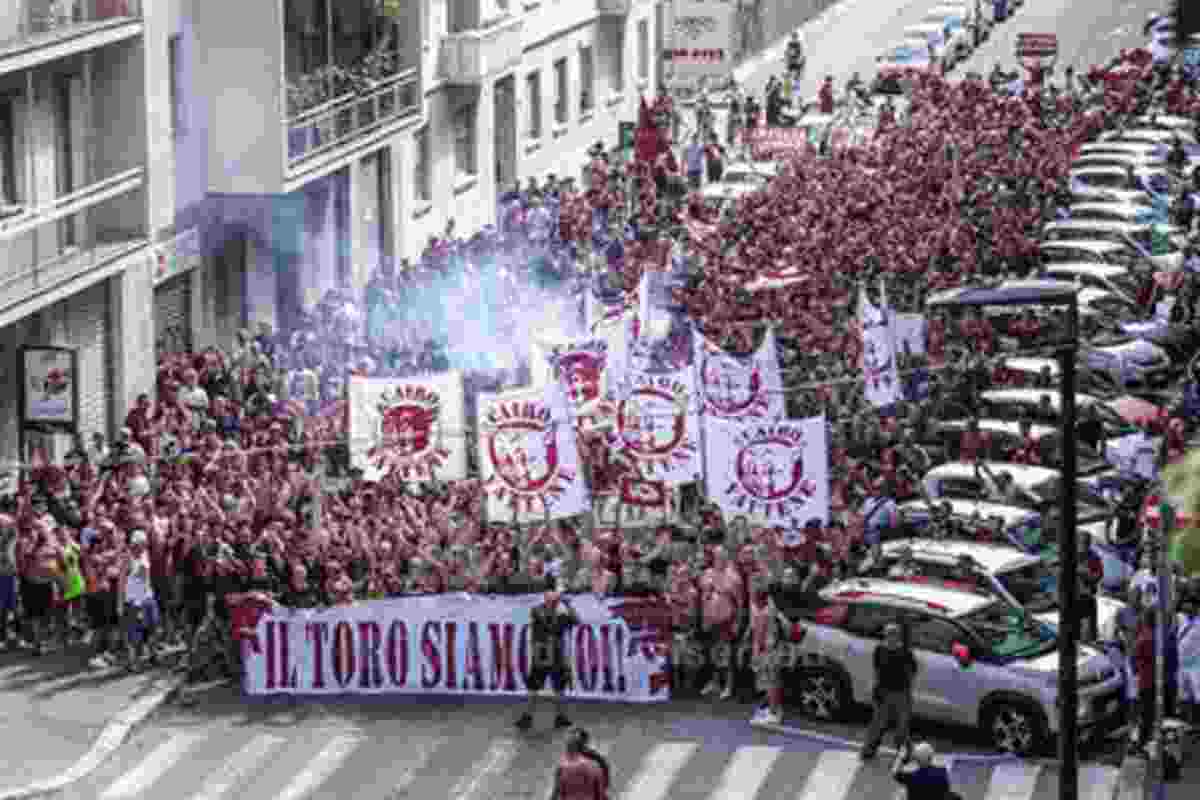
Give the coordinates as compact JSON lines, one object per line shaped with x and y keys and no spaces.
{"x":25,"y":21}
{"x":53,"y":245}
{"x":19,"y":222}
{"x":471,"y":57}
{"x":613,"y":8}
{"x":334,"y":124}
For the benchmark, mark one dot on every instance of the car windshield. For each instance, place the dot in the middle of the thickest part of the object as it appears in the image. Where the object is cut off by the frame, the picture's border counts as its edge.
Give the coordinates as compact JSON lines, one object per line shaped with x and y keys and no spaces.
{"x":1034,"y":586}
{"x":1009,"y":632}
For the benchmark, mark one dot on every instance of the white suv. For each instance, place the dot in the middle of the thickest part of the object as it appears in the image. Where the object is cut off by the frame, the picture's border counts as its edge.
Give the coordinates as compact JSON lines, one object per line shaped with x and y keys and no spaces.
{"x":980,"y":661}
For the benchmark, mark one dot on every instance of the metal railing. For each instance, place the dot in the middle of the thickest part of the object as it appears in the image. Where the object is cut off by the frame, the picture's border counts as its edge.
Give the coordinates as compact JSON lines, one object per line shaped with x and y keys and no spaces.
{"x":64,"y":206}
{"x":24,"y":19}
{"x":327,"y":127}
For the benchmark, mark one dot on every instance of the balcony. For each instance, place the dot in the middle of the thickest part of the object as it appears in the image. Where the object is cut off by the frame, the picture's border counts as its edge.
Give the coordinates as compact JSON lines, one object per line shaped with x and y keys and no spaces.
{"x":472,"y":57}
{"x":326,"y":129}
{"x":70,"y":237}
{"x":36,"y":31}
{"x":613,"y":8}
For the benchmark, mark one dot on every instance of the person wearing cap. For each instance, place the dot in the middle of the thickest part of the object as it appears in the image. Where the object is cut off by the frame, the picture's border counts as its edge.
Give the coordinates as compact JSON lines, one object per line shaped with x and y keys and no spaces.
{"x":917,"y":773}
{"x":548,"y":623}
{"x":895,"y":667}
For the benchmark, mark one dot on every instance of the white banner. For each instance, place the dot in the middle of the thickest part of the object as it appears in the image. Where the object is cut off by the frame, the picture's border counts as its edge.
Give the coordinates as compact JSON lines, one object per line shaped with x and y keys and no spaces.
{"x":456,"y":644}
{"x":529,"y":461}
{"x":701,"y":42}
{"x":415,"y":427}
{"x":658,"y":427}
{"x":740,"y":387}
{"x":774,"y":473}
{"x":881,"y":380}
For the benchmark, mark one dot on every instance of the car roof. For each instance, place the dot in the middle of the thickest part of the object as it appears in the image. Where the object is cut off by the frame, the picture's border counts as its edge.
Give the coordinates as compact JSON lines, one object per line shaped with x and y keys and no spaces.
{"x":761,"y":167}
{"x":727,"y":190}
{"x":962,"y":507}
{"x":1095,"y":245}
{"x":1108,"y":205}
{"x":1031,"y":364}
{"x":1025,"y":395}
{"x":945,"y":601}
{"x":994,"y":558}
{"x":1097,"y":224}
{"x":1082,"y":171}
{"x":1023,"y":474}
{"x":1088,"y":268}
{"x":1004,"y":426}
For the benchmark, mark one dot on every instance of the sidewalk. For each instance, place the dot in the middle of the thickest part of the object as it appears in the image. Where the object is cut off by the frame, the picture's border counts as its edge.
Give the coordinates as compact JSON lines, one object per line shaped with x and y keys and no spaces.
{"x":59,"y":720}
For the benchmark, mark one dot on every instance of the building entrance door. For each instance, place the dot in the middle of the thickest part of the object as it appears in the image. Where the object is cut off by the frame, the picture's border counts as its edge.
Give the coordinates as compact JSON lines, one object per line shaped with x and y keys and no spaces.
{"x":505,"y":125}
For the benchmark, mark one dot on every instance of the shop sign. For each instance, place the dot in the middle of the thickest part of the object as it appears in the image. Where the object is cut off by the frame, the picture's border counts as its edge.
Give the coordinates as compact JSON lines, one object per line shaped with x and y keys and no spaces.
{"x":49,"y":386}
{"x":176,"y":256}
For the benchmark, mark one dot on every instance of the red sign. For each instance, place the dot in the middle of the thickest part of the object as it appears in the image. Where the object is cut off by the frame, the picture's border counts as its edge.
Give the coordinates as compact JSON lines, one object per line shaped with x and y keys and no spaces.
{"x":1037,"y":45}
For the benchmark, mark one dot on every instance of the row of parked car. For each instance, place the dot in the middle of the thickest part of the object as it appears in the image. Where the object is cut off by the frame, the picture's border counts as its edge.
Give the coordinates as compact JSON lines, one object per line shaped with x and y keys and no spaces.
{"x":946,"y":35}
{"x":980,"y":600}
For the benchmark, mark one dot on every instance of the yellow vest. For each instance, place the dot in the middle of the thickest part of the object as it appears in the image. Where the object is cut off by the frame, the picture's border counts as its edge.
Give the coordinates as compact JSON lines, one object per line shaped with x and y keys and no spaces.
{"x":73,"y":576}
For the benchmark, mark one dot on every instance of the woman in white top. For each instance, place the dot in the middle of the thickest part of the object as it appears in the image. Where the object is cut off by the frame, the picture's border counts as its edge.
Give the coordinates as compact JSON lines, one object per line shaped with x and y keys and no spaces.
{"x":137,"y":599}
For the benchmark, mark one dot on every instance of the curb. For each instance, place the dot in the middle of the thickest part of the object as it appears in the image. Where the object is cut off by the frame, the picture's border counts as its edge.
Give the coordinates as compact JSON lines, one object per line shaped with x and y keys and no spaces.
{"x":115,"y":733}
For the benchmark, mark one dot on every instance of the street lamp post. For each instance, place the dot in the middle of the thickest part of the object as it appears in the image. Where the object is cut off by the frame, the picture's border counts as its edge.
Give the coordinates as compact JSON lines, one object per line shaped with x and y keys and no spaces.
{"x":1060,"y":295}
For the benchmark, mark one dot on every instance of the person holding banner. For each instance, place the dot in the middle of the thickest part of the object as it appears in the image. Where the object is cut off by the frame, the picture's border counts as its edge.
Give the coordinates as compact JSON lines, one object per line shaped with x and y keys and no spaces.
{"x":547,"y":624}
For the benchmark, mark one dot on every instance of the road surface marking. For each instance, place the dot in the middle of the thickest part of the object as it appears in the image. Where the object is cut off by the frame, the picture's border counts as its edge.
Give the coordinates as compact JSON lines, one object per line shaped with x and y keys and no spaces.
{"x":498,"y":758}
{"x":746,"y":773}
{"x":151,"y":768}
{"x":1014,"y":781}
{"x":238,"y":767}
{"x":321,"y":767}
{"x":1097,"y":782}
{"x":419,"y":758}
{"x":658,"y":770}
{"x":832,"y":777}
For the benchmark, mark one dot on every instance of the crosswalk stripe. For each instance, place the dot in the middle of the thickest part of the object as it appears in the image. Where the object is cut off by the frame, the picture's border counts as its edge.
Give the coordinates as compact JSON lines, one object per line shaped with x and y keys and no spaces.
{"x":658,"y":770}
{"x":238,"y":767}
{"x":745,"y":773}
{"x":151,"y":768}
{"x":1097,"y":782}
{"x":832,"y":776}
{"x":499,"y":756}
{"x":321,"y":767}
{"x":417,"y":758}
{"x":1015,"y":781}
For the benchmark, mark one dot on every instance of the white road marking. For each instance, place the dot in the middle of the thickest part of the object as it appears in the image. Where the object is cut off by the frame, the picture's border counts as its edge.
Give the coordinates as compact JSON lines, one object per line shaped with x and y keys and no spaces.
{"x":658,"y":770}
{"x":1015,"y":781}
{"x":746,"y":773}
{"x":151,"y":768}
{"x":321,"y":767}
{"x":1097,"y":782}
{"x":238,"y":767}
{"x":498,"y":758}
{"x":420,"y":757}
{"x":832,"y":777}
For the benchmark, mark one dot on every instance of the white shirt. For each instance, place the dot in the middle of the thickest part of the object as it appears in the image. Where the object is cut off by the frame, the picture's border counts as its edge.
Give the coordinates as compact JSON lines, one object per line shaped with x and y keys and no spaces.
{"x":137,"y":584}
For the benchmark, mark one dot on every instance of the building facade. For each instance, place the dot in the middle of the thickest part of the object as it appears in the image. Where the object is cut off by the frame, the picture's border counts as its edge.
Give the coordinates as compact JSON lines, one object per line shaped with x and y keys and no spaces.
{"x":83,"y":201}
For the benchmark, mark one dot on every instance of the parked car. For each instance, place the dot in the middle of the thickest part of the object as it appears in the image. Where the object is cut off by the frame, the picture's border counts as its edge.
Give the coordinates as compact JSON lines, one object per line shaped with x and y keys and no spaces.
{"x":1147,"y":160}
{"x":1118,"y":280}
{"x":1147,"y":135}
{"x":754,"y":173}
{"x":1043,"y":406}
{"x":1158,"y":244}
{"x":1107,"y":211}
{"x":1166,"y":122}
{"x":1135,"y":149}
{"x":1041,"y":485}
{"x":1094,"y":250}
{"x":1008,"y":573}
{"x":1005,"y":436}
{"x":980,"y":661}
{"x":1041,"y":372}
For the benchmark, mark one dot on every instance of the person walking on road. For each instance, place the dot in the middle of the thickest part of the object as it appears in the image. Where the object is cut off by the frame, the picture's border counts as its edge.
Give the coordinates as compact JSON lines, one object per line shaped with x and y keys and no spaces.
{"x":578,"y":776}
{"x":600,"y":761}
{"x":895,"y":667}
{"x":923,"y":779}
{"x":547,"y":624}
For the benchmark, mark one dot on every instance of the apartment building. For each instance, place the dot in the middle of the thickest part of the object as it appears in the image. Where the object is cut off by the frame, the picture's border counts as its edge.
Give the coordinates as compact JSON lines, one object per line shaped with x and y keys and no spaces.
{"x":84,"y":206}
{"x":520,"y":89}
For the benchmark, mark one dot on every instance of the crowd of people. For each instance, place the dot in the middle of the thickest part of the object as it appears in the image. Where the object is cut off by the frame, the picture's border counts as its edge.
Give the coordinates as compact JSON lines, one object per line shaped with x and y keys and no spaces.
{"x":231,"y":480}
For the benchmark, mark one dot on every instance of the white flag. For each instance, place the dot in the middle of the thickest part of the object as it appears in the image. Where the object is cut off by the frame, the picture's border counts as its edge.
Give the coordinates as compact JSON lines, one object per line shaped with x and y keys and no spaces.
{"x":658,"y":424}
{"x":740,"y":387}
{"x":529,"y":461}
{"x":881,"y":379}
{"x":773,"y":473}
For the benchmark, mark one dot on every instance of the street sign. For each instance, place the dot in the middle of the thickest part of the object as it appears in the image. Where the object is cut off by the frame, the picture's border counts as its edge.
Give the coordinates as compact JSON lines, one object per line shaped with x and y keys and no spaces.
{"x":1037,"y":45}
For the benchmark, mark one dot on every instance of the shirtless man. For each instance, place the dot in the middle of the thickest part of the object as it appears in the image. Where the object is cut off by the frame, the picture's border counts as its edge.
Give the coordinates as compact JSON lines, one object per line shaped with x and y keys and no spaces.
{"x":721,"y":588}
{"x":578,"y":777}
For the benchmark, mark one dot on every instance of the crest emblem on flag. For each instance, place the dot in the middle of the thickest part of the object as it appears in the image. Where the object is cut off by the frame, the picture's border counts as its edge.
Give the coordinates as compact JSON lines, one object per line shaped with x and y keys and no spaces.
{"x":409,"y":433}
{"x":652,"y":424}
{"x":769,"y":469}
{"x":579,"y":368}
{"x":740,"y":387}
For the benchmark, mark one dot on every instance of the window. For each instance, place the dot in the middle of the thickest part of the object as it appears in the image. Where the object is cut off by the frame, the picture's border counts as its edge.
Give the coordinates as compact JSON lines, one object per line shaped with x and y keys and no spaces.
{"x":463,"y":15}
{"x":322,"y":34}
{"x":587,"y":80}
{"x":175,"y":77}
{"x":464,"y":140}
{"x":423,"y":187}
{"x":9,"y":185}
{"x":618,"y":63}
{"x":933,"y":635}
{"x":643,"y":45}
{"x":560,"y":91}
{"x":533,"y":89}
{"x":868,"y":620}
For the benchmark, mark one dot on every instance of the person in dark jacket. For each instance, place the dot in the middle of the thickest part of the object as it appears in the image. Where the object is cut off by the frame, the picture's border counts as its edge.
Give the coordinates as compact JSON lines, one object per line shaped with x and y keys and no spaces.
{"x":585,"y":740}
{"x":895,"y":667}
{"x":917,"y":773}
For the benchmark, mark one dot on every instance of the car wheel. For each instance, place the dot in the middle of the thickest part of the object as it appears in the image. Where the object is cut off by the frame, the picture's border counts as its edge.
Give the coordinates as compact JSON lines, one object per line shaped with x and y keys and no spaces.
{"x":822,"y":694}
{"x":1015,"y":728}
